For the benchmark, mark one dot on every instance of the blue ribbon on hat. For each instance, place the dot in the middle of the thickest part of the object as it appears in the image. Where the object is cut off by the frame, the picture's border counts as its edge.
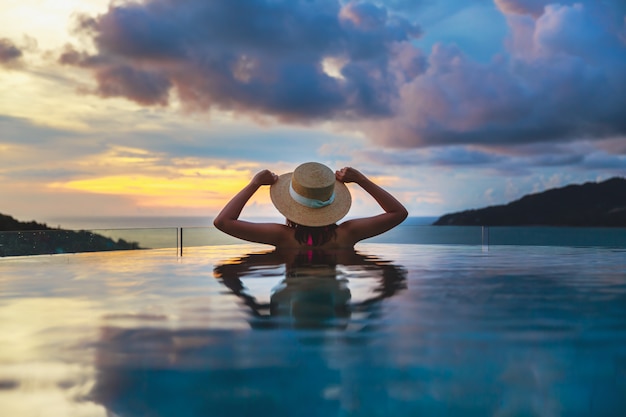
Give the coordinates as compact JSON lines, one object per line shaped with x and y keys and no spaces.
{"x":310,"y":202}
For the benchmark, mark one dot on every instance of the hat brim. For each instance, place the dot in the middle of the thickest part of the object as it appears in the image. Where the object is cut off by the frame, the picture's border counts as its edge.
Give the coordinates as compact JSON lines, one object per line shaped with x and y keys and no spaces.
{"x":306,"y":216}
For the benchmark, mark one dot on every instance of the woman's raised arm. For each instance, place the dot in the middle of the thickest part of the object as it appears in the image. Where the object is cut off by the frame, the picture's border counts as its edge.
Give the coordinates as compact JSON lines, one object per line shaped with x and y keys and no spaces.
{"x":395,"y":212}
{"x":228,"y":219}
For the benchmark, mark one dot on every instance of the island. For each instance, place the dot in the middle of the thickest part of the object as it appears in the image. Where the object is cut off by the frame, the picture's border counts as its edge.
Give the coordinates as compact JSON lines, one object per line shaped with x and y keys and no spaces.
{"x":592,"y":204}
{"x":31,"y":238}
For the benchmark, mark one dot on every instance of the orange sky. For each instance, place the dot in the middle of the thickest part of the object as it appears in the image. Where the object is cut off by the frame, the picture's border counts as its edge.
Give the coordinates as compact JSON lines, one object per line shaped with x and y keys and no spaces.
{"x":76,"y":143}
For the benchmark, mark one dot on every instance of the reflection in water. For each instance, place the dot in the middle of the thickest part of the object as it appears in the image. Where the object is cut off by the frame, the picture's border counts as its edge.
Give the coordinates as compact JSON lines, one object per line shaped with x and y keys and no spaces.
{"x":517,"y":331}
{"x":209,"y":372}
{"x":314,"y":291}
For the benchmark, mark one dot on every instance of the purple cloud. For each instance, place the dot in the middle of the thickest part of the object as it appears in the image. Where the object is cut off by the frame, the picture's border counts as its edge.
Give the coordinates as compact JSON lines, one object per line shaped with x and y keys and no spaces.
{"x":256,"y":56}
{"x":561,"y":77}
{"x":526,"y":7}
{"x":9,"y":53}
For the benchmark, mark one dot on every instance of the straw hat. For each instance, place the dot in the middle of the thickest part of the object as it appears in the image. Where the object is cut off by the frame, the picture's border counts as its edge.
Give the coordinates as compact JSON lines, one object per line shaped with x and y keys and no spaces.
{"x":311,"y":196}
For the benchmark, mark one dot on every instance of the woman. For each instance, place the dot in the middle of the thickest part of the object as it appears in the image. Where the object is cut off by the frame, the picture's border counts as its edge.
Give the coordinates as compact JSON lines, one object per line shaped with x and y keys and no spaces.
{"x":313,"y":199}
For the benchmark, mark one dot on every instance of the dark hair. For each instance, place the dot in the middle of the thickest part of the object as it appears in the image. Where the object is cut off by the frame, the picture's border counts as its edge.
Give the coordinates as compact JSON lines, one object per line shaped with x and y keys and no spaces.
{"x":313,"y":236}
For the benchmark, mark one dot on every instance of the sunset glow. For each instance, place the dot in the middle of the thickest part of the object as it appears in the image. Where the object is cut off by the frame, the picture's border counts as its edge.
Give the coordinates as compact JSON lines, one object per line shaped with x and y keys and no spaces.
{"x":194,"y":192}
{"x":129,"y":108}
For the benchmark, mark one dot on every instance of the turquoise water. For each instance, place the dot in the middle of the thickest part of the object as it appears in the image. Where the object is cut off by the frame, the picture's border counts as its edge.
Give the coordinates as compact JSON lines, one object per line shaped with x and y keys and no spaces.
{"x":393,"y":329}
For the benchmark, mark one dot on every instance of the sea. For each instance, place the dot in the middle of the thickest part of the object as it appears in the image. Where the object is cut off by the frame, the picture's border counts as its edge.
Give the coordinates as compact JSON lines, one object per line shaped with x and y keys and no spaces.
{"x":132,"y":222}
{"x":159,"y":232}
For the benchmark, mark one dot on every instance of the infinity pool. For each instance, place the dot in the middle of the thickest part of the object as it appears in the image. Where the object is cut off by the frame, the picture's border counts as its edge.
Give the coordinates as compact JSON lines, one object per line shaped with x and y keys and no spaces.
{"x":389,"y":330}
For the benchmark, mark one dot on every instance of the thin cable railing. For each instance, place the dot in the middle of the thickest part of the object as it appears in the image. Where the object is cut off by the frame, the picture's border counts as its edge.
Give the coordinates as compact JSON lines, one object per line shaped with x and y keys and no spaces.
{"x":58,"y":241}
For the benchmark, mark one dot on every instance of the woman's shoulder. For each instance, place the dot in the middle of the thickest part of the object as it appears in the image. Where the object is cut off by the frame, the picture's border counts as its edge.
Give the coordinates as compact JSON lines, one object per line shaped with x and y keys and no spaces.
{"x":343,"y":236}
{"x":355,"y":230}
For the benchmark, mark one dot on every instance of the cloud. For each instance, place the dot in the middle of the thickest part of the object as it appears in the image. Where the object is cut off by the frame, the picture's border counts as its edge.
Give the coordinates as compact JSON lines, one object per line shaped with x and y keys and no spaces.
{"x":256,"y":56}
{"x":10,"y":54}
{"x":525,"y":7}
{"x":38,"y":153}
{"x":520,"y":160}
{"x":22,"y":131}
{"x":559,"y":77}
{"x":563,"y":79}
{"x":536,"y":8}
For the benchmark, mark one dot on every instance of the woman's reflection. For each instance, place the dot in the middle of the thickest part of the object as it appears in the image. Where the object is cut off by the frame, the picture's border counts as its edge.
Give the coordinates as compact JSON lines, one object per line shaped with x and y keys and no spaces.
{"x":313,"y":291}
{"x":188,"y":371}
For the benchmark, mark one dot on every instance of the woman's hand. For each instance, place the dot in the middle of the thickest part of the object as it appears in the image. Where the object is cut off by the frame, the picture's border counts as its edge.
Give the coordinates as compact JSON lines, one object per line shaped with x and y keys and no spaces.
{"x":265,"y":177}
{"x":349,"y":174}
{"x":228,"y":219}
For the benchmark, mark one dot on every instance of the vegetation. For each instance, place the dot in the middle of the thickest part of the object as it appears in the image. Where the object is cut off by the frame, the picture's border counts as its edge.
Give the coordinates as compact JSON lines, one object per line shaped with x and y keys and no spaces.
{"x":591,"y":204}
{"x":32,"y":238}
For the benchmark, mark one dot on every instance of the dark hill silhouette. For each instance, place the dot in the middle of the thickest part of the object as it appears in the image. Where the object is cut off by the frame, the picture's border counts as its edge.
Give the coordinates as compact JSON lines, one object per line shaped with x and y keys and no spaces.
{"x":590,"y":204}
{"x":8,"y":223}
{"x":32,"y":238}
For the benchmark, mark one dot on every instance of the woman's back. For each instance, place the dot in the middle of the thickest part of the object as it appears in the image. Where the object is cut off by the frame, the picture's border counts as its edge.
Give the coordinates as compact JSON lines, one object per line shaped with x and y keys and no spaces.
{"x":339,"y":240}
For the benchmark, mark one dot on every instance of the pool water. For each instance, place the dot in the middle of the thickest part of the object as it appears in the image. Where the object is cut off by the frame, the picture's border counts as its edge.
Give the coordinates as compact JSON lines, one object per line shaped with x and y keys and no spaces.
{"x":391,"y":329}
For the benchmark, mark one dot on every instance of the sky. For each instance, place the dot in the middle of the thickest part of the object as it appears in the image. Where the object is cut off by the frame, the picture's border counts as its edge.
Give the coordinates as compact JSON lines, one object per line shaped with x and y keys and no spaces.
{"x":169,"y":107}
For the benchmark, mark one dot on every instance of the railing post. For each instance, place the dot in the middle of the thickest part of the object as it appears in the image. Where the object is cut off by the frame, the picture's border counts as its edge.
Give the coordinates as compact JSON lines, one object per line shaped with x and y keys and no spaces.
{"x":180,"y":241}
{"x":485,"y":237}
